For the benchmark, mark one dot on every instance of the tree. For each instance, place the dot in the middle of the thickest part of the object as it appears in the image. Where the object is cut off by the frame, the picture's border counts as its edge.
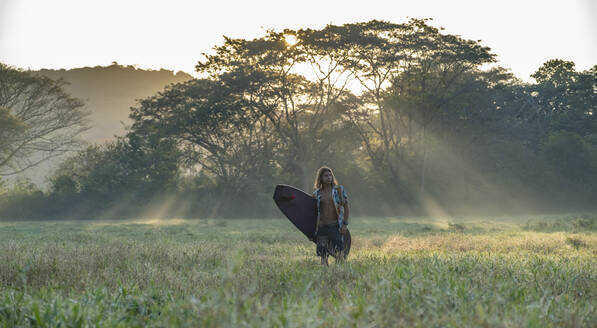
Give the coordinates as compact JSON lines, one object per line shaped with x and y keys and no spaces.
{"x":9,"y":126}
{"x":567,"y":98}
{"x":212,"y":127}
{"x":43,"y":120}
{"x":127,"y":165}
{"x":412,"y":74}
{"x":301,"y":112}
{"x":570,"y":155}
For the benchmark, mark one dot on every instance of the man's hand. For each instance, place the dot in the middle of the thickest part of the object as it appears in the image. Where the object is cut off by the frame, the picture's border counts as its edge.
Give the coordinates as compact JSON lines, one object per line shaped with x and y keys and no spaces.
{"x":343,"y":229}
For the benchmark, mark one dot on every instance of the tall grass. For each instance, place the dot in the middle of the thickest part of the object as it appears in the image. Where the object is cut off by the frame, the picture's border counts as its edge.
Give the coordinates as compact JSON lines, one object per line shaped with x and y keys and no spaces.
{"x":401,"y":272}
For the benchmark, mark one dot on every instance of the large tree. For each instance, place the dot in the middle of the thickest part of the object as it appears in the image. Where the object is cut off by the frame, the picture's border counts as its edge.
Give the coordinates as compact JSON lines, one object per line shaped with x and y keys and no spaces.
{"x":212,"y":127}
{"x":44,"y":121}
{"x":299,"y":91}
{"x":566,"y":97}
{"x":411,"y":74}
{"x":302,"y":110}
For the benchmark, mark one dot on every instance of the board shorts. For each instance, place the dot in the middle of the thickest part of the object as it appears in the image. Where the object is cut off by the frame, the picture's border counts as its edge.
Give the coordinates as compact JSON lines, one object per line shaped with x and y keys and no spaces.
{"x":329,"y":232}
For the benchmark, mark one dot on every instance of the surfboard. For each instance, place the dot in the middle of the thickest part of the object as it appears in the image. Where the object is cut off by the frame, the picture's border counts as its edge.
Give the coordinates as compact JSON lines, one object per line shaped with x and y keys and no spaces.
{"x":301,"y":209}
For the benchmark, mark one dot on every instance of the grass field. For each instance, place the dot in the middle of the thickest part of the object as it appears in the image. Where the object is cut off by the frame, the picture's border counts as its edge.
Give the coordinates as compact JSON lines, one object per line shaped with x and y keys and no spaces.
{"x":536,"y":271}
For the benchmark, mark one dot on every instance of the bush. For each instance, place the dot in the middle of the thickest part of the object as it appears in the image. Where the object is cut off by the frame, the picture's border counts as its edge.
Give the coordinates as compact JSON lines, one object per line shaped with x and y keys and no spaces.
{"x":569,"y":155}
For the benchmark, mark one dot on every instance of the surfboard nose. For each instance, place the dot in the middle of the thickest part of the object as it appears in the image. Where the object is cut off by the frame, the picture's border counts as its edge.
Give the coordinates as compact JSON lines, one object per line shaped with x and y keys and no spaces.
{"x":283,"y":194}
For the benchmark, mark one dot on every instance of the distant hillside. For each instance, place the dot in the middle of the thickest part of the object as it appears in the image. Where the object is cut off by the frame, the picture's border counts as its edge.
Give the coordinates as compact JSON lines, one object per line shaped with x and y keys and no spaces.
{"x":110,"y":91}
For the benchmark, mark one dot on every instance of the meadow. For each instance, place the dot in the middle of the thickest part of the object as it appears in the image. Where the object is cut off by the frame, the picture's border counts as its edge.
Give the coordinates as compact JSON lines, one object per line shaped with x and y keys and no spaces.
{"x":526,"y":271}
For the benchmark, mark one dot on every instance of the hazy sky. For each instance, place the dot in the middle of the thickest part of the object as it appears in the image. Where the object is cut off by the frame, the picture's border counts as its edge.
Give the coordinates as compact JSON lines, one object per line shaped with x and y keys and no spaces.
{"x":172,"y":34}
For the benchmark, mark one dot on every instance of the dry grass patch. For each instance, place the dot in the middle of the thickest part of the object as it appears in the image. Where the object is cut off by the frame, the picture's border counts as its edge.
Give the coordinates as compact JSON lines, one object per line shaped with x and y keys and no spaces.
{"x":529,"y":241}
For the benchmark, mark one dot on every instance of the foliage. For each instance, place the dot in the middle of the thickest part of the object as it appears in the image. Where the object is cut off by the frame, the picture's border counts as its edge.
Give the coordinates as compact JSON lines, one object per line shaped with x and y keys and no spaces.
{"x":101,"y":175}
{"x":213,"y":129}
{"x":303,"y":114}
{"x":20,"y":199}
{"x":570,"y":155}
{"x":566,"y":96}
{"x":571,"y":223}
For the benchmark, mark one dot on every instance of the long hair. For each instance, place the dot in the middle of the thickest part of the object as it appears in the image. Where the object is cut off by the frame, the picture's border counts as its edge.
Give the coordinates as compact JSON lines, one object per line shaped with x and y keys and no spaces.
{"x":320,"y":172}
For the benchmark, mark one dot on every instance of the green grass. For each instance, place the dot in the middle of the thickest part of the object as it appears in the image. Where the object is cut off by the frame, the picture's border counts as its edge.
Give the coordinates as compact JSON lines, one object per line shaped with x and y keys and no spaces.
{"x":536,"y":271}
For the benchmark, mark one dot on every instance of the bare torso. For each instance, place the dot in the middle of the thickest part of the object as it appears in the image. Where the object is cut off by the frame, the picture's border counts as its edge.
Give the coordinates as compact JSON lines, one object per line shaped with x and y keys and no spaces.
{"x":327,"y":211}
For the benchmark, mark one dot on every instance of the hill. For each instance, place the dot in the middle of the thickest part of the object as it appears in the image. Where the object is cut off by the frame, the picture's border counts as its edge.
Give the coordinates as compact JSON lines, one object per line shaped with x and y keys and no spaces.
{"x":110,"y":91}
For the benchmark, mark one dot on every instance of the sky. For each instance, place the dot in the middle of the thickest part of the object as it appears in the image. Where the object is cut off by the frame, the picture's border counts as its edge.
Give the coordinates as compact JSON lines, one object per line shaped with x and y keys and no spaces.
{"x":173,"y":34}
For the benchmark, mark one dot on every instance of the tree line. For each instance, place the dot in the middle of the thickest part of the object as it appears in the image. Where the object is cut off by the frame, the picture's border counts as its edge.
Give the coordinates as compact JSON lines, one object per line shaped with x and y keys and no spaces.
{"x":412,"y":120}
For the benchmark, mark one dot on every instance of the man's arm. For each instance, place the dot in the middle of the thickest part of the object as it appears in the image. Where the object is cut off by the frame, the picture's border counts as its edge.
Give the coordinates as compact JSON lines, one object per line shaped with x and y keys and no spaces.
{"x":344,"y":228}
{"x":346,"y":210}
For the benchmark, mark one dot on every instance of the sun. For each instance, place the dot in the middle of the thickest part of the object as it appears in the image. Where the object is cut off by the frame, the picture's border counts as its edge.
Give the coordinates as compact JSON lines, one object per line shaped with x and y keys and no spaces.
{"x":290,"y":39}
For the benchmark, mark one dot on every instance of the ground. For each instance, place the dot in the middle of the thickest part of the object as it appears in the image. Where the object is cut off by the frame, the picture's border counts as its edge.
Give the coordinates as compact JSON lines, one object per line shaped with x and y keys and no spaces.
{"x":527,"y":271}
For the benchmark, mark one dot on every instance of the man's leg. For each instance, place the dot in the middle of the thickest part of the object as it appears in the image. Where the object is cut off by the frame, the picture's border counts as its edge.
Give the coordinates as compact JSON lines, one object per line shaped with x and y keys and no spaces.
{"x":322,"y":249}
{"x":336,"y":239}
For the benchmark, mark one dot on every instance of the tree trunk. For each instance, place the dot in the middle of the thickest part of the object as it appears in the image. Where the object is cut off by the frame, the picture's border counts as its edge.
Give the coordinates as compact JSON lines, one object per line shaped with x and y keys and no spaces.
{"x":305,"y":170}
{"x":306,"y":178}
{"x":395,"y":178}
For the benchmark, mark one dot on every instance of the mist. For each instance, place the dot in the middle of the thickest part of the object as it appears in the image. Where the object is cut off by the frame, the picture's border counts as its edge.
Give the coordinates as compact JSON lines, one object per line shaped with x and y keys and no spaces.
{"x":412,"y":120}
